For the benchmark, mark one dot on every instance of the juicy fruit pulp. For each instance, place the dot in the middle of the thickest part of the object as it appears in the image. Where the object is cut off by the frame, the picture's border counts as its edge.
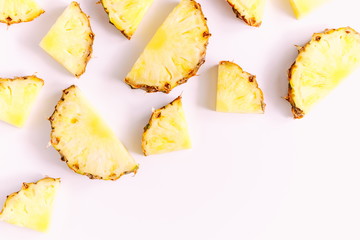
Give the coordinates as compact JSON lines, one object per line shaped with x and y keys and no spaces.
{"x":320,"y":66}
{"x":175,"y":53}
{"x":304,"y":7}
{"x":251,"y":11}
{"x":17,"y":11}
{"x":86,"y":143}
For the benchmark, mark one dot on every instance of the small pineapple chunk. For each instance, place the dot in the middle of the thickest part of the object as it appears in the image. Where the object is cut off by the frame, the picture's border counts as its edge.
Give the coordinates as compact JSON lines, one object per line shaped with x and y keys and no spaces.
{"x":320,"y":66}
{"x":85,"y":142}
{"x":250,"y":11}
{"x":17,"y":11}
{"x":31,"y":207}
{"x":17,"y":97}
{"x":304,"y":7}
{"x":126,"y":15}
{"x":175,"y":53}
{"x":238,"y":91}
{"x":70,"y":40}
{"x":167,"y":130}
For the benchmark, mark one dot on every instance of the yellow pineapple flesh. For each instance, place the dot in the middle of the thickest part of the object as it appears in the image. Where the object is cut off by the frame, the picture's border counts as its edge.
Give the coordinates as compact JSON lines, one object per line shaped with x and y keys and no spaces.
{"x":17,"y":96}
{"x":304,"y":7}
{"x":32,"y":206}
{"x":85,"y":142}
{"x":70,"y":40}
{"x":237,"y":90}
{"x":126,"y":15}
{"x":175,"y":53}
{"x":17,"y":11}
{"x":250,"y":11}
{"x":167,"y":130}
{"x":320,"y":66}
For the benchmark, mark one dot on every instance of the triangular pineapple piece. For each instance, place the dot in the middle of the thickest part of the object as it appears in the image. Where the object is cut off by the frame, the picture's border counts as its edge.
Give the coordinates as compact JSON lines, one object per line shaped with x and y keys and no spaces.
{"x":320,"y":66}
{"x":126,"y":15}
{"x":238,"y":91}
{"x":250,"y":11}
{"x":17,"y":11}
{"x":304,"y":7}
{"x":167,"y":130}
{"x":85,"y":142}
{"x":17,"y":97}
{"x":70,"y":40}
{"x":31,"y":207}
{"x":175,"y":53}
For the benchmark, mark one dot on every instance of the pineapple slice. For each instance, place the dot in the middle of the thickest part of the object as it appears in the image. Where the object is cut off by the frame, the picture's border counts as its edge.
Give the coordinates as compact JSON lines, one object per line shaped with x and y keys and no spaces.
{"x":175,"y":53}
{"x":31,"y":207}
{"x":320,"y":66}
{"x":304,"y":7}
{"x":126,"y":15}
{"x":238,"y":91}
{"x":17,"y":11}
{"x":17,"y":97}
{"x":250,"y":11}
{"x":70,"y":40}
{"x":167,"y":130}
{"x":86,"y":143}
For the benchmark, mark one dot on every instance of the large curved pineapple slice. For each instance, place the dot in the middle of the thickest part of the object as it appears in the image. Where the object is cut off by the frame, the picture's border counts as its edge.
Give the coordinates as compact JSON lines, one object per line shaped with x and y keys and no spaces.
{"x":237,"y":90}
{"x":17,"y":97}
{"x":86,"y":143}
{"x":167,"y":130}
{"x":126,"y":15}
{"x":17,"y":11}
{"x":70,"y":40}
{"x":320,"y":66}
{"x":304,"y":7}
{"x":31,"y":207}
{"x":175,"y":53}
{"x":250,"y":11}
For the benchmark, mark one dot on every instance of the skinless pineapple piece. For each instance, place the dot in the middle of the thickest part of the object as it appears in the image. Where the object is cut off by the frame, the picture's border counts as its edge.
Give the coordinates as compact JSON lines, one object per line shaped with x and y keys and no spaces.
{"x":126,"y":15}
{"x":250,"y":11}
{"x":85,"y":142}
{"x":17,"y":97}
{"x":238,"y":91}
{"x":175,"y":53}
{"x":70,"y":40}
{"x":303,"y":7}
{"x":167,"y":130}
{"x":17,"y":11}
{"x":320,"y":66}
{"x":31,"y":207}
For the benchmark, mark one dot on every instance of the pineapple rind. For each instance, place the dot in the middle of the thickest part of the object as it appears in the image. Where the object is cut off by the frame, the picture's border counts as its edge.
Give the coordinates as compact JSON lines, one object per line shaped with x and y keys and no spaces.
{"x":87,"y":145}
{"x":320,"y":66}
{"x":18,"y":11}
{"x":24,"y":209}
{"x":251,"y":12}
{"x":167,"y":130}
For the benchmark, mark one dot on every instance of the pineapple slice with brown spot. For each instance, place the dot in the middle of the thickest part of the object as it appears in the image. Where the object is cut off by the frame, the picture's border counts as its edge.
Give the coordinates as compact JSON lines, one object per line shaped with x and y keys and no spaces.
{"x":250,"y":11}
{"x":175,"y":53}
{"x":126,"y":15}
{"x":167,"y":130}
{"x":17,"y":97}
{"x":85,"y":142}
{"x":320,"y":66}
{"x":17,"y":11}
{"x":31,"y":207}
{"x":304,"y":7}
{"x":237,"y":90}
{"x":70,"y":40}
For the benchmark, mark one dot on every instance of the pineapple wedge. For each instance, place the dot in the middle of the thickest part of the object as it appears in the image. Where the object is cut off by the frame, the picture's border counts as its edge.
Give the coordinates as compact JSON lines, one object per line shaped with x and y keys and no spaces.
{"x":17,"y":11}
{"x":238,"y":91}
{"x":250,"y":11}
{"x":126,"y":15}
{"x":175,"y":53}
{"x":31,"y":207}
{"x":17,"y":97}
{"x":85,"y":142}
{"x":167,"y":130}
{"x":304,"y":7}
{"x":320,"y":66}
{"x":70,"y":40}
